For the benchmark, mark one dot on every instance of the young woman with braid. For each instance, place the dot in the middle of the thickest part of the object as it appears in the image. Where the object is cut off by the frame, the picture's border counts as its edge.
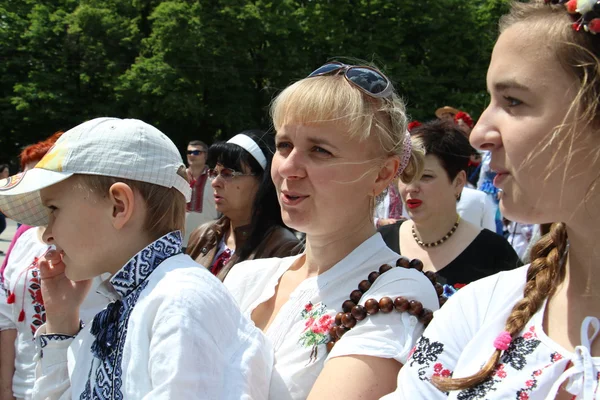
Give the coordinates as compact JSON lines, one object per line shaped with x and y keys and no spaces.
{"x":529,"y":333}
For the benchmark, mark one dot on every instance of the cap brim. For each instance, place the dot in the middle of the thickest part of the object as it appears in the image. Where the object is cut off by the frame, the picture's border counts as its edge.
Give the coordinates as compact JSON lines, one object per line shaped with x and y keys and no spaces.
{"x":447,"y":109}
{"x":20,"y":195}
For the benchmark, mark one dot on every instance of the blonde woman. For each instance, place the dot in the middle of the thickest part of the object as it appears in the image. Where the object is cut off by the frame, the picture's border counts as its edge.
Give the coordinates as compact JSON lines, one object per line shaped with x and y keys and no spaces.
{"x":529,"y":333}
{"x":340,"y":140}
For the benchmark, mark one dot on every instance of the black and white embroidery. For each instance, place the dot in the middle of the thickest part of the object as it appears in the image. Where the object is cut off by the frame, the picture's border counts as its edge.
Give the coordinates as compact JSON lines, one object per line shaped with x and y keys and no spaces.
{"x":425,"y":353}
{"x":518,"y":349}
{"x":515,"y":356}
{"x":129,"y":282}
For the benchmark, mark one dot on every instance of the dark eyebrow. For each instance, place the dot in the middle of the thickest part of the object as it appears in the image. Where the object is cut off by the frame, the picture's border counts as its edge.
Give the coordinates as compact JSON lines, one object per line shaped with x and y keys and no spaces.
{"x":321,"y":141}
{"x":510,"y":84}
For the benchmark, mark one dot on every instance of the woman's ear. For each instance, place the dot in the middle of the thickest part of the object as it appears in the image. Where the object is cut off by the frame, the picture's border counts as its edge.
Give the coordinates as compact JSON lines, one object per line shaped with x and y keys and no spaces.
{"x":387,"y":172}
{"x":459,"y":182}
{"x":122,"y":199}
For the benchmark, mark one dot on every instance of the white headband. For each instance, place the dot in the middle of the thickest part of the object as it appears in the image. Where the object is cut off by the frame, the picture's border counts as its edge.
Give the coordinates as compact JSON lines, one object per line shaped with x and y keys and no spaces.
{"x":246,"y":143}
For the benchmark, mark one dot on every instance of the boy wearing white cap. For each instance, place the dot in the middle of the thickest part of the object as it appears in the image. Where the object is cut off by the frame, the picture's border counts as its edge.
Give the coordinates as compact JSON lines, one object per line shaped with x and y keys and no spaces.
{"x":113,"y":194}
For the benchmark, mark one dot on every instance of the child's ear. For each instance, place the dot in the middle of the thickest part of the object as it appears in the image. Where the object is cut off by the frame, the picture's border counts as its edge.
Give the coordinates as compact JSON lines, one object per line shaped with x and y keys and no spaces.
{"x":123,"y":201}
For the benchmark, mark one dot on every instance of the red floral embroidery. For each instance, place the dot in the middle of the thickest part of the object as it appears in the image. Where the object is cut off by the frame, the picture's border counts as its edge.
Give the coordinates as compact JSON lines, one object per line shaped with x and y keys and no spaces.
{"x":439,"y":370}
{"x":35,"y":292}
{"x":316,"y":328}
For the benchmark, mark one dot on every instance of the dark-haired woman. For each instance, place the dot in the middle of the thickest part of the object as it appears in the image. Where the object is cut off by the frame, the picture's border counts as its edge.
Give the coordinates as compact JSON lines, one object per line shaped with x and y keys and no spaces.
{"x":458,"y":251}
{"x":251,"y":226}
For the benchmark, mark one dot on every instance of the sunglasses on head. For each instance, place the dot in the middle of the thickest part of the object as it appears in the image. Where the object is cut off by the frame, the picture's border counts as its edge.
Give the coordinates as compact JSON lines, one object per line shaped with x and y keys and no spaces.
{"x":195,"y":152}
{"x":367,"y":79}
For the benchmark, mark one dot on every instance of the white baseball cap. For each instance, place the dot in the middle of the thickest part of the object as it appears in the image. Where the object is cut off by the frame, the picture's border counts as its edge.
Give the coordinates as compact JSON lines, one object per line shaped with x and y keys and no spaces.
{"x":120,"y":148}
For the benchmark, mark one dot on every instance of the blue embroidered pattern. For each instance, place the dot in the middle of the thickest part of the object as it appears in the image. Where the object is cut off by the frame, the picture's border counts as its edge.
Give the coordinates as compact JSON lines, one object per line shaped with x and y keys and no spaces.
{"x":110,"y":325}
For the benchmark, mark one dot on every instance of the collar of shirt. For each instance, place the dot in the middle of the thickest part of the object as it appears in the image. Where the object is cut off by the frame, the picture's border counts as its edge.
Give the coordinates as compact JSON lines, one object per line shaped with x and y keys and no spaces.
{"x":140,"y":266}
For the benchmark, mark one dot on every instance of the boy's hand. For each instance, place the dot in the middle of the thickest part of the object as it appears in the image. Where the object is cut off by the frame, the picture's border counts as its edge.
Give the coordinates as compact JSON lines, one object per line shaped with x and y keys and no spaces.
{"x":62,"y":297}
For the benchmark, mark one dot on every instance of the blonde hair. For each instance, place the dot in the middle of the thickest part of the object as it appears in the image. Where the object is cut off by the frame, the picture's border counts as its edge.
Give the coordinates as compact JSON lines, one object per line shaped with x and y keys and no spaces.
{"x":331,"y":98}
{"x":578,"y":53}
{"x":165,"y":207}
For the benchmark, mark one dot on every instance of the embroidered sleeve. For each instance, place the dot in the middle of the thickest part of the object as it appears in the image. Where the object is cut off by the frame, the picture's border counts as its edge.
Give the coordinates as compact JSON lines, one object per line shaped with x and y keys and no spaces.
{"x":437,"y":352}
{"x":52,"y":373}
{"x":6,"y":317}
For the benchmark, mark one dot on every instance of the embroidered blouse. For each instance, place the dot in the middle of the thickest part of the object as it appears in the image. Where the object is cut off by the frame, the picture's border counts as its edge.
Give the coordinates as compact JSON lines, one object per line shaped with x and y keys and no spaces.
{"x":460,"y":340}
{"x":26,"y":312}
{"x":300,"y":331}
{"x":171,"y":332}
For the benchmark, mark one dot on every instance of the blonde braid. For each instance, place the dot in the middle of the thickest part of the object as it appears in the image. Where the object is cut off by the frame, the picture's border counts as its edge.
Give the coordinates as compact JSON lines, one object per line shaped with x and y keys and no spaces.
{"x":544,"y":275}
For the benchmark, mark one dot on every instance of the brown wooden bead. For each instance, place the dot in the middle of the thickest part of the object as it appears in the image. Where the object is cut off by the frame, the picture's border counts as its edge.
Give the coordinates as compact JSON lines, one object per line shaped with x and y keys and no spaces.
{"x":340,"y":331}
{"x":363,"y":286}
{"x":415,"y":307}
{"x":439,"y":289}
{"x":373,"y":276}
{"x":385,"y":268}
{"x":403,"y":262}
{"x":333,"y":332}
{"x":355,"y":296}
{"x":416,"y":264}
{"x":401,"y":304}
{"x":348,"y":320}
{"x":372,"y":306}
{"x":347,"y":306}
{"x":386,"y":305}
{"x":330,"y":345}
{"x":443,"y":300}
{"x":338,"y":318}
{"x":359,"y":312}
{"x":426,"y":316}
{"x":431,"y":276}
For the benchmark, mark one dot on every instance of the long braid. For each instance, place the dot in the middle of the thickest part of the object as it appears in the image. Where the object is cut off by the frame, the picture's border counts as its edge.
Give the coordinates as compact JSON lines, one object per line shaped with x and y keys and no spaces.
{"x":545,"y":273}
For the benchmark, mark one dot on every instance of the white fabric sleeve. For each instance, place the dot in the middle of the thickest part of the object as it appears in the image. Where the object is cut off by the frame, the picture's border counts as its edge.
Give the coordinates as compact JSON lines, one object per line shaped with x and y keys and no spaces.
{"x":204,"y":324}
{"x":52,"y":373}
{"x":6,"y":314}
{"x":439,"y":349}
{"x":390,"y":335}
{"x":488,"y":220}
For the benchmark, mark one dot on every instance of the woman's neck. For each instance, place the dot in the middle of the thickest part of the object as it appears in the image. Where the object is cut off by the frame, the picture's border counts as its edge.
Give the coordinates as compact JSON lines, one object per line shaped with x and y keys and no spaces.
{"x":323,"y":252}
{"x":582,"y":262}
{"x":436,"y":226}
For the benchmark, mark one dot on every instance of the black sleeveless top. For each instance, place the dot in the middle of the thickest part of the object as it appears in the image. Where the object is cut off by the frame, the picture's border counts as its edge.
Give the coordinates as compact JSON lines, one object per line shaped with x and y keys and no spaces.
{"x":487,"y":254}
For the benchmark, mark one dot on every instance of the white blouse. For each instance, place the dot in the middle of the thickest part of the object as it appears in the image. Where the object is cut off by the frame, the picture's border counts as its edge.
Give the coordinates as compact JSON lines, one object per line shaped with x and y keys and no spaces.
{"x":460,"y":339}
{"x":172,"y":331}
{"x":24,"y":282}
{"x":300,"y":331}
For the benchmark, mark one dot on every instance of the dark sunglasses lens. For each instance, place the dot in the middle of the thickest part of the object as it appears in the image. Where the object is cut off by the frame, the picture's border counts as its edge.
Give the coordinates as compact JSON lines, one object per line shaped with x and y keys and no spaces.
{"x":372,"y":81}
{"x":194,"y":152}
{"x":326,"y":69}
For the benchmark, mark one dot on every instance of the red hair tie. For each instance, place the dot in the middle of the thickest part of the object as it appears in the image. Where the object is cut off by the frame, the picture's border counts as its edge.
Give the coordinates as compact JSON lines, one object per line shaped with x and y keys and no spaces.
{"x":503,"y":341}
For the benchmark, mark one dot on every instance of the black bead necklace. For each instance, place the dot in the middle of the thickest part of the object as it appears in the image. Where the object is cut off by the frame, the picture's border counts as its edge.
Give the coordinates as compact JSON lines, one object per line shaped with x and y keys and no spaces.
{"x":437,"y":243}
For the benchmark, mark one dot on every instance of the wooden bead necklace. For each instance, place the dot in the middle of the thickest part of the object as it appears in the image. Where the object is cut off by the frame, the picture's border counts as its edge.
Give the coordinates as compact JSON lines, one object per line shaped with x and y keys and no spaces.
{"x":354,"y":312}
{"x":442,"y":240}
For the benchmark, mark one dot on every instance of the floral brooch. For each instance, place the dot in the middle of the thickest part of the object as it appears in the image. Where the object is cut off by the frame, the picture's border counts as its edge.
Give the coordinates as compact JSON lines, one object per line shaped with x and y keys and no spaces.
{"x":585,"y":12}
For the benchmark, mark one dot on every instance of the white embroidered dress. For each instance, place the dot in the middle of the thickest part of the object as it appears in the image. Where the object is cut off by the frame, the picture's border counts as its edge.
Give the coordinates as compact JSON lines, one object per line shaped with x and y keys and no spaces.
{"x":299,"y":332}
{"x":171,"y":332}
{"x":460,"y":340}
{"x":22,"y":279}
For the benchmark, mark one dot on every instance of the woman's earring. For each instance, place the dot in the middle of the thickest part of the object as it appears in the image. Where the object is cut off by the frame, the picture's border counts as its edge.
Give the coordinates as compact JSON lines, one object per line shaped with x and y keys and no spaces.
{"x":458,"y":196}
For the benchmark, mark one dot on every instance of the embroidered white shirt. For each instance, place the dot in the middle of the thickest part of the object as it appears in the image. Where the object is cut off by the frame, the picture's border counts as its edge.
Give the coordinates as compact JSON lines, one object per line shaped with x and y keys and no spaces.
{"x":460,"y":340}
{"x":25,"y":285}
{"x":299,"y":332}
{"x":180,"y":335}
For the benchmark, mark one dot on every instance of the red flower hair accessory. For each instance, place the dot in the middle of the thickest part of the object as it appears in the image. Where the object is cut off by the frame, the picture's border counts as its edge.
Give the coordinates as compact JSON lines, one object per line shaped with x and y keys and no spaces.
{"x":466,"y":118}
{"x":585,"y":13}
{"x":413,"y":124}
